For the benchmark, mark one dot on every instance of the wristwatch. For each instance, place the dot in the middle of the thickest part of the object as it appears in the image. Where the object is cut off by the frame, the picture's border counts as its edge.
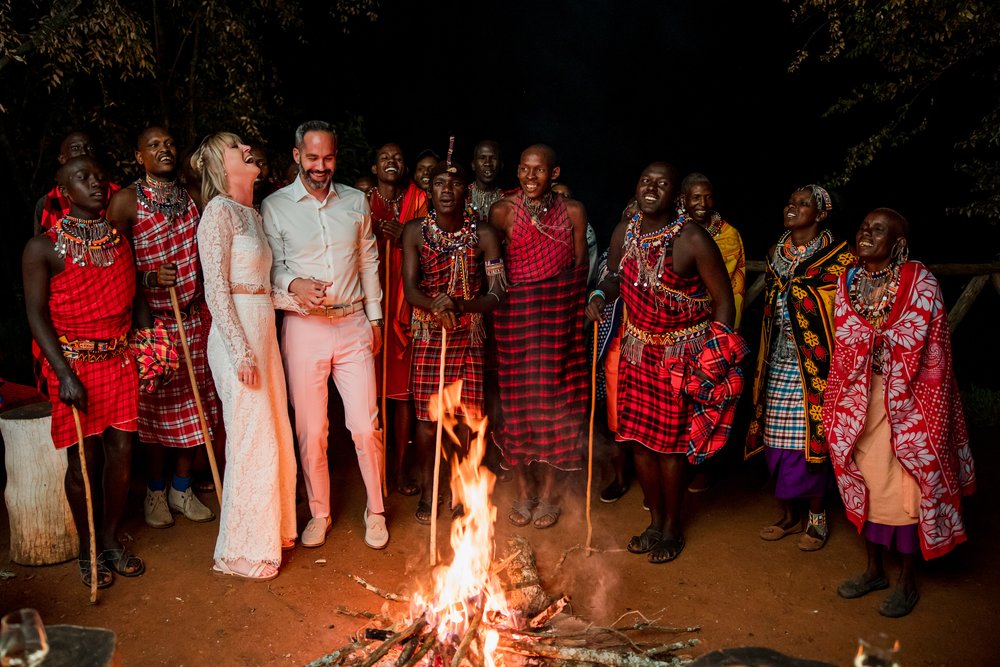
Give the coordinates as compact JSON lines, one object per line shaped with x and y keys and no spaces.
{"x":376,"y":323}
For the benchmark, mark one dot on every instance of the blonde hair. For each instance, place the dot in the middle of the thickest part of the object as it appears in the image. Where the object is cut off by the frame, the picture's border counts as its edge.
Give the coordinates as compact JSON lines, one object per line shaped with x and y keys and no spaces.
{"x":207,"y":164}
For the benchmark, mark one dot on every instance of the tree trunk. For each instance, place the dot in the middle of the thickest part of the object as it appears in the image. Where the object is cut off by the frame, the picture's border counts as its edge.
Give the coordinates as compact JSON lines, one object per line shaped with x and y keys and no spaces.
{"x":42,"y":531}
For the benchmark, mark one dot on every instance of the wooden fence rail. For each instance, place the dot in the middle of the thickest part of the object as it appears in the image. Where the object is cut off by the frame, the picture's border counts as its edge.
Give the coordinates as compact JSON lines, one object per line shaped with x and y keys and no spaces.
{"x":981,"y":274}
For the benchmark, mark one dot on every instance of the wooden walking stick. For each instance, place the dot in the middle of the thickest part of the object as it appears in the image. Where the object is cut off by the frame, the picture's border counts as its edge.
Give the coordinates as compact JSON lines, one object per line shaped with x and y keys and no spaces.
{"x":197,"y":397}
{"x":90,"y":508}
{"x":385,"y":375}
{"x":437,"y":447}
{"x":590,"y":438}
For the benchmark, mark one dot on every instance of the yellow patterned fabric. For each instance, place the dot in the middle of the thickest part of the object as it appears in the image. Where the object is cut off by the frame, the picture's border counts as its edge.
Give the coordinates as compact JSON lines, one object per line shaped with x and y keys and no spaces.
{"x":809,"y":299}
{"x":731,"y":246}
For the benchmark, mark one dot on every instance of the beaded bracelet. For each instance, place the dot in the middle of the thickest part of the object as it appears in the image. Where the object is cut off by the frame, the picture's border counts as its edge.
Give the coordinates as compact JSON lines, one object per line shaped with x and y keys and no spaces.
{"x":597,"y":292}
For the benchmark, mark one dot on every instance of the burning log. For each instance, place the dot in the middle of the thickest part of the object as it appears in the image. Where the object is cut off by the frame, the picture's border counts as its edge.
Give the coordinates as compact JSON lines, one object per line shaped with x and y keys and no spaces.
{"x":402,"y":635}
{"x":592,"y":656}
{"x":549,"y":612}
{"x":378,"y":591}
{"x":470,"y":634}
{"x":337,"y":657}
{"x":521,"y":583}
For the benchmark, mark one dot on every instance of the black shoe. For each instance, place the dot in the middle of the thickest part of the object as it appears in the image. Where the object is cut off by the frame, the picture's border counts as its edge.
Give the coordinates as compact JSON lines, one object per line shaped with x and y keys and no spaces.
{"x":613,"y":492}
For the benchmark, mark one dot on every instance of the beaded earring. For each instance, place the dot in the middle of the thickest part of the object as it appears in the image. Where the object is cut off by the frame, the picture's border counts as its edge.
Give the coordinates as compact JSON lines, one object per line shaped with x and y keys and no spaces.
{"x":900,"y":253}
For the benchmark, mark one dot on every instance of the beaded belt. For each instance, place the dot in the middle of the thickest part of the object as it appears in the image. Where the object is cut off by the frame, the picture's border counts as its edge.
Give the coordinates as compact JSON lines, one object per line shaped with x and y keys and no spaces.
{"x":339,"y":310}
{"x":83,"y":349}
{"x":669,"y":337}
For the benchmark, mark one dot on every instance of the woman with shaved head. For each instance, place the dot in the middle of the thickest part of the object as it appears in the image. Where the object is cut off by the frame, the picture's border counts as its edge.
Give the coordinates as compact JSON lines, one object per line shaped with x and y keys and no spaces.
{"x":893,"y":415}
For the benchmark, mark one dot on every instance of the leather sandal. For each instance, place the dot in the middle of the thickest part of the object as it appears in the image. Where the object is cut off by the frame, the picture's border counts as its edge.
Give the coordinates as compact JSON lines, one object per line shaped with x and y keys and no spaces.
{"x":520,"y":512}
{"x":644,"y":543}
{"x":545,"y":515}
{"x":104,"y":576}
{"x":123,"y":562}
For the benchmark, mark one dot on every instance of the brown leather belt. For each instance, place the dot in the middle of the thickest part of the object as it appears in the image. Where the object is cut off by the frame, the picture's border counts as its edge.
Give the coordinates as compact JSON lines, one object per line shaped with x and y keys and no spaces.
{"x":338,"y":310}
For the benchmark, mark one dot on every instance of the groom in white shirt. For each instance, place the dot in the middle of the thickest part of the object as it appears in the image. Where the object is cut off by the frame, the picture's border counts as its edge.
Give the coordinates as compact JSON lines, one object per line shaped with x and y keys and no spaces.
{"x":324,"y":252}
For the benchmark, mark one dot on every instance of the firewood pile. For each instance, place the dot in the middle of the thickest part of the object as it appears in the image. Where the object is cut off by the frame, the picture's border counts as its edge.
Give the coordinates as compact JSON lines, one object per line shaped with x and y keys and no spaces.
{"x":538,"y":630}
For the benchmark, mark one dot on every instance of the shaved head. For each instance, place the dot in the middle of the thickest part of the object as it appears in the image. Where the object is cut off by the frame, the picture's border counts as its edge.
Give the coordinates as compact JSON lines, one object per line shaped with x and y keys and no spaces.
{"x":897,"y":219}
{"x":545,"y":151}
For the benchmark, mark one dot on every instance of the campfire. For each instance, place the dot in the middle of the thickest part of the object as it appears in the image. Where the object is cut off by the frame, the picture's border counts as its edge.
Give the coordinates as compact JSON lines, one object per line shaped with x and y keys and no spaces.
{"x":482,"y":611}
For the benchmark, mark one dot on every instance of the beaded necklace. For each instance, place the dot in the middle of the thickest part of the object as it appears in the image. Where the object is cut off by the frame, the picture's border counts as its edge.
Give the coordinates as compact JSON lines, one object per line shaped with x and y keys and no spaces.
{"x":393,"y":204}
{"x":872,"y":293}
{"x":789,"y":256}
{"x":86,"y":241}
{"x":714,"y":225}
{"x":537,"y":208}
{"x":643,"y":246}
{"x":455,"y":244}
{"x":480,"y":200}
{"x":165,"y":197}
{"x":537,"y":212}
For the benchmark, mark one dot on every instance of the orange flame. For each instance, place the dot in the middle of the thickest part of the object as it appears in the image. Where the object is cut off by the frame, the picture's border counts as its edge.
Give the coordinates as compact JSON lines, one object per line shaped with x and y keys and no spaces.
{"x":465,"y":587}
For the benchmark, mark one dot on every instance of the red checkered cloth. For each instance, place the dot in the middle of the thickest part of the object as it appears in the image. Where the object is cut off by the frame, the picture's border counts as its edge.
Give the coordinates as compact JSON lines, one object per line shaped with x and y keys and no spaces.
{"x":714,"y":395}
{"x":156,"y":355}
{"x":56,"y":206}
{"x":159,"y":239}
{"x":169,"y":416}
{"x":650,"y":412}
{"x":397,"y":316}
{"x":543,"y":370}
{"x":463,"y":360}
{"x":95,"y":303}
{"x":537,"y":252}
{"x":464,"y":355}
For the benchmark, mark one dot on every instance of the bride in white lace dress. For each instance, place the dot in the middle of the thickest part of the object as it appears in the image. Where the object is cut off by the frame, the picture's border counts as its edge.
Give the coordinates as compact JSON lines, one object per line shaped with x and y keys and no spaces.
{"x":258,"y":500}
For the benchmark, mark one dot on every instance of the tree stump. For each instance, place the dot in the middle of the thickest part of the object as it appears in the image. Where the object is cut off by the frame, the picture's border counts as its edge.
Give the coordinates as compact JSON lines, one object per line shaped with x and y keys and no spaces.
{"x":42,"y":531}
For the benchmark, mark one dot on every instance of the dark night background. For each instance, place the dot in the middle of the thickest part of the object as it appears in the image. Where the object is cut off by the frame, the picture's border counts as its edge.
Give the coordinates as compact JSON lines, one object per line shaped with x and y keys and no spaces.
{"x":612,"y":87}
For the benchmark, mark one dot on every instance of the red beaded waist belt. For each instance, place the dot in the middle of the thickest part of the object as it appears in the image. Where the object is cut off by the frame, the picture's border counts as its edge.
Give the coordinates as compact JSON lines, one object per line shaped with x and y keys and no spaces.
{"x":87,"y":350}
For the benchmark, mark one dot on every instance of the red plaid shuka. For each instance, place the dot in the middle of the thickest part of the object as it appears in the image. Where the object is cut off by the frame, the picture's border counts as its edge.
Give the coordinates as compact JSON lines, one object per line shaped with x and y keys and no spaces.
{"x":650,"y":412}
{"x":56,"y":206}
{"x":397,"y":316}
{"x":464,"y":354}
{"x":540,"y":345}
{"x":169,"y":416}
{"x":715,"y":395}
{"x":537,"y":252}
{"x":95,"y":303}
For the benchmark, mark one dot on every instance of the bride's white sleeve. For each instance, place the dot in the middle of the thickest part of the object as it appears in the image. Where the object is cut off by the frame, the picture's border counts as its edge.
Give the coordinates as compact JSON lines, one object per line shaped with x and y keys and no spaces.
{"x":215,"y":243}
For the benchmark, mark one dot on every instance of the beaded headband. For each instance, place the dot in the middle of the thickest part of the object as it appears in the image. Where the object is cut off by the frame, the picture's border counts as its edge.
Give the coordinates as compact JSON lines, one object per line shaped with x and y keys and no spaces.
{"x":820,"y":196}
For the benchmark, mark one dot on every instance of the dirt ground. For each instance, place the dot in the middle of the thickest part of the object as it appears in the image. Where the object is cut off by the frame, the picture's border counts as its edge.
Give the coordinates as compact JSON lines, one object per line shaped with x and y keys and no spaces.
{"x":740,"y":590}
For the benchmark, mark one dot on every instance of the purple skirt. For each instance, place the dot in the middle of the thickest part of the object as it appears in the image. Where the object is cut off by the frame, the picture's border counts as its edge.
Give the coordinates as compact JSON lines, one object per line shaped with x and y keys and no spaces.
{"x":906,"y":537}
{"x":792,"y":477}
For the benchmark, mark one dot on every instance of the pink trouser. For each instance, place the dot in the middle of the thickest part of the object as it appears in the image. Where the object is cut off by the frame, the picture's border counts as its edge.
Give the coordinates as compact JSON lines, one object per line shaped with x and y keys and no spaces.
{"x":313,"y":347}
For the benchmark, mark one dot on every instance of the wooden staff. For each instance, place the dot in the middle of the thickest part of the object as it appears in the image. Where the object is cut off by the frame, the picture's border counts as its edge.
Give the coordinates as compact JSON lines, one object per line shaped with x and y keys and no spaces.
{"x":590,"y":438}
{"x":385,"y":373}
{"x":437,"y":446}
{"x":90,"y":508}
{"x":197,"y":397}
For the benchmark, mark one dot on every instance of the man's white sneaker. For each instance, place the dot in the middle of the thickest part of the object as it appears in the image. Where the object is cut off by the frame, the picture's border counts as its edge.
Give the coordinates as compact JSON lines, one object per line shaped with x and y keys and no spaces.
{"x":156,"y":511}
{"x":376,"y":533}
{"x":315,"y":533}
{"x":188,"y":504}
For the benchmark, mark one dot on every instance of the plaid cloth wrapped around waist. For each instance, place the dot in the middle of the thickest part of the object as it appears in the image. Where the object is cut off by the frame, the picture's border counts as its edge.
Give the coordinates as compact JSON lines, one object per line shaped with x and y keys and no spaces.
{"x":88,"y":350}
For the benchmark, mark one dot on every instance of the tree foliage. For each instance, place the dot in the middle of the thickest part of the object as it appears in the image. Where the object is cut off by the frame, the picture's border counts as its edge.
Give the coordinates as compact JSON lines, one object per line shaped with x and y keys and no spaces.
{"x":924,"y":64}
{"x":114,"y":66}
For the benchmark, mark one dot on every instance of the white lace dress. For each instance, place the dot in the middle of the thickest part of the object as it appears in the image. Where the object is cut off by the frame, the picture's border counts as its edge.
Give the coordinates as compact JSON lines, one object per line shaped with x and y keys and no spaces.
{"x":258,"y":501}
